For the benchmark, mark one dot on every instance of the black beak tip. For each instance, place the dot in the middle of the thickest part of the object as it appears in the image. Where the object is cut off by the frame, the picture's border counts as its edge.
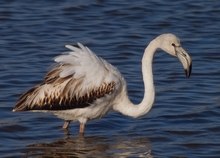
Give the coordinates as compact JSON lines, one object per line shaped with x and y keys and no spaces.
{"x":188,"y":71}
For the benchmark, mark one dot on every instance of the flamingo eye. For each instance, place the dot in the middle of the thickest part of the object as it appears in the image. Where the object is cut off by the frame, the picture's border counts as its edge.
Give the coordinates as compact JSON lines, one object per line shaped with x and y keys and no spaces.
{"x":173,"y":44}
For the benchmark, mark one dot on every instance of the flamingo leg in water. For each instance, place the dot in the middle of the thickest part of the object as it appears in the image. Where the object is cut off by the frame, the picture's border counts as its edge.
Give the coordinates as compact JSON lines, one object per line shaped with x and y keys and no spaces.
{"x":66,"y":124}
{"x":81,"y":128}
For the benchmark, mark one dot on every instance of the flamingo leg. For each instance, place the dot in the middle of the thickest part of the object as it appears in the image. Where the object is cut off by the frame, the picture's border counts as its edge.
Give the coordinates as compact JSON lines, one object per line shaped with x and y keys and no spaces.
{"x":66,"y":124}
{"x":81,"y":128}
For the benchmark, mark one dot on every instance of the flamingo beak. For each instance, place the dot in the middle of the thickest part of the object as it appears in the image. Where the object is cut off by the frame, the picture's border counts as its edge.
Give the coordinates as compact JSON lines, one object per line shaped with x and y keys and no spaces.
{"x":185,"y":59}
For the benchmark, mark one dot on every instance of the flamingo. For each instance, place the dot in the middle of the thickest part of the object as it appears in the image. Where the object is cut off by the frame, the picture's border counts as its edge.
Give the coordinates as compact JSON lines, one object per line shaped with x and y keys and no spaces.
{"x":83,"y":86}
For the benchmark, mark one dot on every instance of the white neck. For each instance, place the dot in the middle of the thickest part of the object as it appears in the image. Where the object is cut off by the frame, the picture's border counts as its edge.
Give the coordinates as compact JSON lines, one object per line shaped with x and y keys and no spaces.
{"x":125,"y":106}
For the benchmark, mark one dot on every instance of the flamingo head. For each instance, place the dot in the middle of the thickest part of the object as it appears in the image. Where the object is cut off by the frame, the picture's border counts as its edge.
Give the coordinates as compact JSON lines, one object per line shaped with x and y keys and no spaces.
{"x":171,"y":44}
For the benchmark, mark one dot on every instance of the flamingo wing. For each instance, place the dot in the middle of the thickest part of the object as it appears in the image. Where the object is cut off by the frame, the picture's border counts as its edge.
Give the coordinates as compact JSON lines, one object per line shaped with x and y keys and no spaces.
{"x":78,"y":79}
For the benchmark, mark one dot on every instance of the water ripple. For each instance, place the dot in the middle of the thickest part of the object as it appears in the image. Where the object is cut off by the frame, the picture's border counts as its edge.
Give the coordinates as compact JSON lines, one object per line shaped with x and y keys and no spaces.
{"x":184,"y":121}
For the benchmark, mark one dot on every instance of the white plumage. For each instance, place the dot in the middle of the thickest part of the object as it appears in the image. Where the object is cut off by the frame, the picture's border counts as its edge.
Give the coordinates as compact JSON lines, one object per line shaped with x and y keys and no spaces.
{"x":83,"y":86}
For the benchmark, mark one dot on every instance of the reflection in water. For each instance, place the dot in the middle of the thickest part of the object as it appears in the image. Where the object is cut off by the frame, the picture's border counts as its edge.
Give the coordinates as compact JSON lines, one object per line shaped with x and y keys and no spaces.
{"x":185,"y":119}
{"x":92,"y":147}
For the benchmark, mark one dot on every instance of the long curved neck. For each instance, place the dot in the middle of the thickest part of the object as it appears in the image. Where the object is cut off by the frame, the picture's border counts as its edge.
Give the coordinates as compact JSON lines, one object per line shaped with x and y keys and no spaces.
{"x":128,"y":108}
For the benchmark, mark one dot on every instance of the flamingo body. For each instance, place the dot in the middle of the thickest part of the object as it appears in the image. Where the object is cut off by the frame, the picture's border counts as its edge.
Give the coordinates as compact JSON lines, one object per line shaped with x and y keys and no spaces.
{"x":83,"y":86}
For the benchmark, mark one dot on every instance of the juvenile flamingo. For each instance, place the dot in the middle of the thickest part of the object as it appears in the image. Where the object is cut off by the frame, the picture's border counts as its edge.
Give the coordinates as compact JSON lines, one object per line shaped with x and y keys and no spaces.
{"x":83,"y":86}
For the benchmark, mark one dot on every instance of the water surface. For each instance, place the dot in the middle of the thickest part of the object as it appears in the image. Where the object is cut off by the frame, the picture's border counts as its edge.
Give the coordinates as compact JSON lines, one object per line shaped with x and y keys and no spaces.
{"x":184,"y":121}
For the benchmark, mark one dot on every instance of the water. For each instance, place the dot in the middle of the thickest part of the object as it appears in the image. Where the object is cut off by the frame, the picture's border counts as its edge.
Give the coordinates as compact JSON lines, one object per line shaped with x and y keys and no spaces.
{"x":184,"y":121}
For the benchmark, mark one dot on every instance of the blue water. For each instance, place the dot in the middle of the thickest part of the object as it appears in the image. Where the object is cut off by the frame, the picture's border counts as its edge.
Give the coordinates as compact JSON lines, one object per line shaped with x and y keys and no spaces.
{"x":185,"y":119}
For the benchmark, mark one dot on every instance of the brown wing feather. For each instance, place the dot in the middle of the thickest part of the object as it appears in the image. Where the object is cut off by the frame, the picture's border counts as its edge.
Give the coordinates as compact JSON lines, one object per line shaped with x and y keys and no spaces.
{"x":61,"y":98}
